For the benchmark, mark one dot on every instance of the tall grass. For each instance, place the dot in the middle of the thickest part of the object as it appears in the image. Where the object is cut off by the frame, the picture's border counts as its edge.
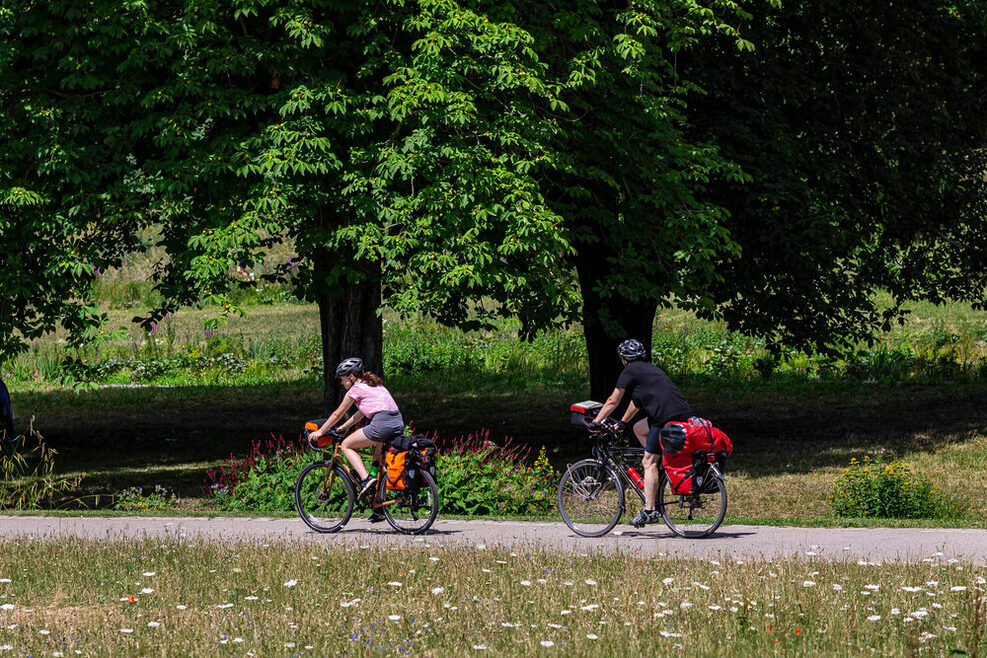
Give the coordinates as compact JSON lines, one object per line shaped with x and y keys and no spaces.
{"x":281,"y":342}
{"x":181,"y":596}
{"x":27,"y":474}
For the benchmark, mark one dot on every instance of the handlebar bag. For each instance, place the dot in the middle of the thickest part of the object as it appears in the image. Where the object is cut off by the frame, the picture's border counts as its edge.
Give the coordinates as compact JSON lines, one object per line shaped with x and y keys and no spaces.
{"x":313,"y":425}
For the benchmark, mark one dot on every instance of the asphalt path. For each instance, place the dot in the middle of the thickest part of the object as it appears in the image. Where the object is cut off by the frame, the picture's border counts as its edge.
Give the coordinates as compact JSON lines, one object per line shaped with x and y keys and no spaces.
{"x":752,"y":542}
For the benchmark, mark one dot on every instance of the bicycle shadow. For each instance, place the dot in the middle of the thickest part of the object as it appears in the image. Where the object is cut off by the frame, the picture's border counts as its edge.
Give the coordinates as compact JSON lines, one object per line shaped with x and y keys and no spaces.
{"x":736,"y":534}
{"x":377,"y":531}
{"x":644,"y":535}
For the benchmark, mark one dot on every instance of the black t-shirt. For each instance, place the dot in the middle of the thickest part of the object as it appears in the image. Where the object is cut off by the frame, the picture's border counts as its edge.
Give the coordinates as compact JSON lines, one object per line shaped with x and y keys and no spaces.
{"x":653,"y":393}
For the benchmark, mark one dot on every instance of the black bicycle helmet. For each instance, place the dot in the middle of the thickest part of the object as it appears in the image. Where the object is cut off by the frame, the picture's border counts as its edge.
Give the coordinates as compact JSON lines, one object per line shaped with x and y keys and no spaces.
{"x":631,"y":350}
{"x":352,"y":364}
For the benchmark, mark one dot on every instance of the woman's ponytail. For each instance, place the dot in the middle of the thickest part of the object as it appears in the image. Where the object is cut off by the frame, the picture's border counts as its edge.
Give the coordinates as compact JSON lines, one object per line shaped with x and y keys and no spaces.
{"x":371,"y":379}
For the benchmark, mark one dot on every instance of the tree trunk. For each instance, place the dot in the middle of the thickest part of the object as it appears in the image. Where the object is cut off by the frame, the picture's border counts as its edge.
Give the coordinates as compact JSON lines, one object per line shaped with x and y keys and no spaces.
{"x":351,"y":326}
{"x":6,"y":415}
{"x":608,"y":320}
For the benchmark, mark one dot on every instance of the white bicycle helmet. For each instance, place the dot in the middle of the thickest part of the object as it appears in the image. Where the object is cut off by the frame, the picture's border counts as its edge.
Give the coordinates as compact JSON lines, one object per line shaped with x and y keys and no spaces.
{"x":352,"y":364}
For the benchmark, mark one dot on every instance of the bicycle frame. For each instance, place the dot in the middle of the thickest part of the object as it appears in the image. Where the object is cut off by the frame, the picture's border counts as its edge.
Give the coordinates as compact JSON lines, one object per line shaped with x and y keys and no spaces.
{"x":338,"y":460}
{"x":606,"y":452}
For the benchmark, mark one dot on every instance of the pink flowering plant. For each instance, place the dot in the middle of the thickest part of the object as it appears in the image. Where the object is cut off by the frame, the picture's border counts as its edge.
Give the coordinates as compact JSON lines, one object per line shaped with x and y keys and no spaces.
{"x":476,"y":477}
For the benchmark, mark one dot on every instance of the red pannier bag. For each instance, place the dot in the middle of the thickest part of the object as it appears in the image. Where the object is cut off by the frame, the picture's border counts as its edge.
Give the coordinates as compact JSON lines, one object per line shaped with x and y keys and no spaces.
{"x":686,"y":443}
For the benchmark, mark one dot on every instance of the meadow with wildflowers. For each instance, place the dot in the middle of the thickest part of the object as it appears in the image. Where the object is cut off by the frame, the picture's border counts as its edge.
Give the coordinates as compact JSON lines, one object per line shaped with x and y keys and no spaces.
{"x":153,"y":597}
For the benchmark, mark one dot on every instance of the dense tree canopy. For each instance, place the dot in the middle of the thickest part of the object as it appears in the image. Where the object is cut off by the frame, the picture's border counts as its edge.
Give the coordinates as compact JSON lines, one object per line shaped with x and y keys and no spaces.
{"x":68,"y":207}
{"x":628,"y":178}
{"x":863,"y":133}
{"x":395,"y":137}
{"x":768,"y":163}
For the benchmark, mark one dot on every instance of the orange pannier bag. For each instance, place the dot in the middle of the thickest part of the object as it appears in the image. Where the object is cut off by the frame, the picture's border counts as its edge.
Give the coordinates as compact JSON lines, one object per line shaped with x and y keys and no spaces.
{"x":394,"y":463}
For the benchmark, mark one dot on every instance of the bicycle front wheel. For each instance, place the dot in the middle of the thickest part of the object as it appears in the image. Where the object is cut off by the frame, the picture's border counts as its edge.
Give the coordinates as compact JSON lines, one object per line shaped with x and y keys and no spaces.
{"x":694,"y":515}
{"x":324,"y":496}
{"x":591,"y":498}
{"x":412,"y":511}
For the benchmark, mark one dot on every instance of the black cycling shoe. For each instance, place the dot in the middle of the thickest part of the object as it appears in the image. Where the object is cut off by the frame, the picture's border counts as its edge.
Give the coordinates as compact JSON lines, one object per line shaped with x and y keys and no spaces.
{"x":375,"y":517}
{"x":645,"y":517}
{"x":366,"y":485}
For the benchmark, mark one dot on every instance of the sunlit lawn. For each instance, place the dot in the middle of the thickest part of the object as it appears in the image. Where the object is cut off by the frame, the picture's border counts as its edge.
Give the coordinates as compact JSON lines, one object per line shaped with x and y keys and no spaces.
{"x":73,"y":597}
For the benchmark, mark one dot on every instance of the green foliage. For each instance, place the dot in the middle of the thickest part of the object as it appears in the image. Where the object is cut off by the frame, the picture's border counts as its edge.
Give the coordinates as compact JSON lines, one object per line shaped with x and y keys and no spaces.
{"x":771,"y":162}
{"x":135,"y":499}
{"x":263,"y":481}
{"x":624,"y":169}
{"x":475,"y":477}
{"x":478,"y":478}
{"x":27,"y":474}
{"x":420,"y":347}
{"x":862,"y":133}
{"x":871,"y":488}
{"x":936,"y":348}
{"x":68,"y":200}
{"x":393,"y":136}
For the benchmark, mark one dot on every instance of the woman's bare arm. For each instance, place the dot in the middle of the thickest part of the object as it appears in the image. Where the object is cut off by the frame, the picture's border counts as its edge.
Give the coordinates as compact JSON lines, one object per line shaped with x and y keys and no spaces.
{"x":334,"y":417}
{"x":353,"y":420}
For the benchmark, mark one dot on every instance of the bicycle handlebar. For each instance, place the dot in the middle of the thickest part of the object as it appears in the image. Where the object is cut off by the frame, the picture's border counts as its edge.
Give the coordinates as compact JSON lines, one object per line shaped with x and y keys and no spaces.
{"x":608,"y":424}
{"x":334,"y":435}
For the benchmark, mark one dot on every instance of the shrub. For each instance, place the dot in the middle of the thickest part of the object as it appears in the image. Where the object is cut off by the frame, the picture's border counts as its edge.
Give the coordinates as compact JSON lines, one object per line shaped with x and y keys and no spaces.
{"x":475,"y":477}
{"x":135,"y":500}
{"x":871,"y":488}
{"x":27,"y":474}
{"x":263,"y":481}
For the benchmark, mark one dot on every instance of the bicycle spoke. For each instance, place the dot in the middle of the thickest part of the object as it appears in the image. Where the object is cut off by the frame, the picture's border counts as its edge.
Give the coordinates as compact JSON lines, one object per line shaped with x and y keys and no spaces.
{"x":693,"y":515}
{"x":324,"y":497}
{"x":590,"y":498}
{"x":413,"y":512}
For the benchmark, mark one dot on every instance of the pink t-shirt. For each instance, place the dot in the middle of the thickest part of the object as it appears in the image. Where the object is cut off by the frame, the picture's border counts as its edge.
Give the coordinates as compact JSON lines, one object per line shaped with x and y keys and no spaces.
{"x":371,"y":399}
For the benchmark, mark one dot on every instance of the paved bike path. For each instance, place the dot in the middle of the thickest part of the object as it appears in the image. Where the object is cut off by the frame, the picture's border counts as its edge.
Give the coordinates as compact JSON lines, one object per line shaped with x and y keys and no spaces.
{"x":872,"y":544}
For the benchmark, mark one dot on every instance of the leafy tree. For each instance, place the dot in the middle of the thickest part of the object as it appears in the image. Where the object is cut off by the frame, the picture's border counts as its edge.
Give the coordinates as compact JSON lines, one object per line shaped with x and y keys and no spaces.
{"x":625,"y":172}
{"x":385,"y":138}
{"x":863,"y":132}
{"x":67,"y":206}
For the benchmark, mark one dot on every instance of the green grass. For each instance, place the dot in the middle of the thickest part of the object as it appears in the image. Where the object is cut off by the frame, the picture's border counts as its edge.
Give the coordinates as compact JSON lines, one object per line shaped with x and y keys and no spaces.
{"x":175,"y":597}
{"x":793,"y":430}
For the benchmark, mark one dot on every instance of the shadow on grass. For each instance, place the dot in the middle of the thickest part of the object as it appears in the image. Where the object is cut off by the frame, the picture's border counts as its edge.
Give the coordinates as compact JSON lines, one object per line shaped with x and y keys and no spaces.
{"x":145,"y":436}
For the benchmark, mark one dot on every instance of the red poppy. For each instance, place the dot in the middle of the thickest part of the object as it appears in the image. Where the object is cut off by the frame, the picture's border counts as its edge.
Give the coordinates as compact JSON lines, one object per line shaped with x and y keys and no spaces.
{"x":769,"y":628}
{"x":798,"y":631}
{"x":132,"y":599}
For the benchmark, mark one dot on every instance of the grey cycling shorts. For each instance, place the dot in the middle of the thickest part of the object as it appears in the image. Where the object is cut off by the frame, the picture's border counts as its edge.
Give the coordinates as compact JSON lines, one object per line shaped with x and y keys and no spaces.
{"x":384,"y":426}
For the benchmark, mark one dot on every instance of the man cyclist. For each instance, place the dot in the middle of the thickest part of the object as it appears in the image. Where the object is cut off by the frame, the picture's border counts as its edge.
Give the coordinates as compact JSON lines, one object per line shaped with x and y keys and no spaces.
{"x":652,"y":392}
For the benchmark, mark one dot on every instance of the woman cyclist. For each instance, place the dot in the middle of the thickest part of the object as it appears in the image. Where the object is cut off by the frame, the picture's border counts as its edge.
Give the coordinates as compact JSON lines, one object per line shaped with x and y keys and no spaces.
{"x":652,"y":392}
{"x":373,"y":401}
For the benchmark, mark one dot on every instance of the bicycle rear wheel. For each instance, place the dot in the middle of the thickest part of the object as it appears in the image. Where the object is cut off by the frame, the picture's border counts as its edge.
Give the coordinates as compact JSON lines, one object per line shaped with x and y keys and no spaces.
{"x":413,"y":510}
{"x":591,"y":498}
{"x":694,"y":515}
{"x":324,"y":496}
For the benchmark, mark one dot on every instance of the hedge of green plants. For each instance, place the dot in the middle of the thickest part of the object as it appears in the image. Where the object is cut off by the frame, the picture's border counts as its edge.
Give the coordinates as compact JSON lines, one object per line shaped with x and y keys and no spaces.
{"x":476,"y":477}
